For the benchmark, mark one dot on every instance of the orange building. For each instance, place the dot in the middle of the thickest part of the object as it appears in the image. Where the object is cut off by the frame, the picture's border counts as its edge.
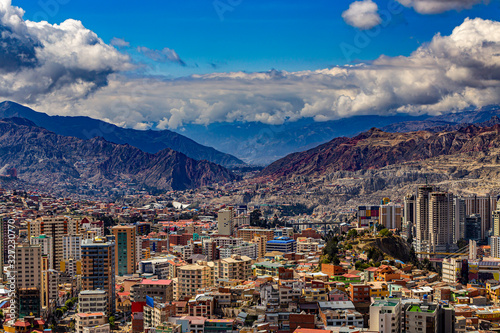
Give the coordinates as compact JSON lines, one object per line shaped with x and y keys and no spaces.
{"x":332,"y":270}
{"x":125,"y":251}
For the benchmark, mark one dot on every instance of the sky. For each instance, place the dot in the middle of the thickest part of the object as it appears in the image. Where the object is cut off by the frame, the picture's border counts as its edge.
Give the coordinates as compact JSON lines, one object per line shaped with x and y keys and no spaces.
{"x":161,"y":64}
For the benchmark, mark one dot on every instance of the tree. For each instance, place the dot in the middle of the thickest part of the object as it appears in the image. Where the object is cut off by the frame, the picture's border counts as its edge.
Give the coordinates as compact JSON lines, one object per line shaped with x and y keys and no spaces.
{"x":111,"y":321}
{"x":353,"y":233}
{"x":461,"y":243}
{"x":385,"y":232}
{"x":255,"y":217}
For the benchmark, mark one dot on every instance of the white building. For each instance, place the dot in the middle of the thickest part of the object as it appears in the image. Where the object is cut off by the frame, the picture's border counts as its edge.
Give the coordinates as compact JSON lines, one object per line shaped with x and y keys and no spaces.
{"x":495,"y":246}
{"x":245,"y":249}
{"x":72,"y":247}
{"x":46,"y":245}
{"x":92,"y":301}
{"x":451,"y":269}
{"x":385,"y":315}
{"x":225,"y":222}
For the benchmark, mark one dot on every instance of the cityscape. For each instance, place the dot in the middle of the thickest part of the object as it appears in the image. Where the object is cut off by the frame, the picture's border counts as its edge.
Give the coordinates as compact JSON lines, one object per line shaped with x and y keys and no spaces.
{"x":253,"y":166}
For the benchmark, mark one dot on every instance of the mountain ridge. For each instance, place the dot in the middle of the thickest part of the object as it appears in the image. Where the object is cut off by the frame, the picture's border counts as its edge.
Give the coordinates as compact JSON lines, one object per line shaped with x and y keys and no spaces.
{"x":52,"y":160}
{"x":375,"y":149}
{"x":150,"y":141}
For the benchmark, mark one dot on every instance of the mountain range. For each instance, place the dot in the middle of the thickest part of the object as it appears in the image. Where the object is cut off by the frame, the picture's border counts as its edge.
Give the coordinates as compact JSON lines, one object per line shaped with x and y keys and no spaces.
{"x":54,"y":161}
{"x":375,"y":149}
{"x":148,"y":141}
{"x":261,"y":144}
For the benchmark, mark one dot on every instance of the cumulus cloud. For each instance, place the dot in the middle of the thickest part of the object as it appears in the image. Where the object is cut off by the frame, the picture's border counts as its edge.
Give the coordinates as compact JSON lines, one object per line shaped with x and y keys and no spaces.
{"x":449,"y":73}
{"x":440,"y":6}
{"x":362,"y":14}
{"x":38,"y":59}
{"x":165,"y":55}
{"x":66,"y":69}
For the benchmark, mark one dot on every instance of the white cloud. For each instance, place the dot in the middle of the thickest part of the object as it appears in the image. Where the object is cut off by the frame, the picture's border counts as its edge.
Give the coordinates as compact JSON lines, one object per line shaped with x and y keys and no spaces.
{"x":66,"y":69}
{"x":440,"y":6}
{"x":362,"y":14}
{"x":449,"y":73}
{"x":39,"y":59}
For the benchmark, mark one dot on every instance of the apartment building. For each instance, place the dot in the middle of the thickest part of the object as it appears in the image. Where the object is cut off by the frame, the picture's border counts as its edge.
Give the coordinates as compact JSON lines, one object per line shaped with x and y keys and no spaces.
{"x":160,"y":290}
{"x":235,"y":267}
{"x":98,"y":269}
{"x":72,"y":248}
{"x":191,"y":278}
{"x":54,"y":227}
{"x":91,"y":301}
{"x":385,"y":315}
{"x":91,"y":320}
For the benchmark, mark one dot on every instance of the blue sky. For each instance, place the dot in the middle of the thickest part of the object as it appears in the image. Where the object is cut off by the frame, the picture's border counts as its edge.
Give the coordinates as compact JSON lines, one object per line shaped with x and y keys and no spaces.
{"x":255,"y":35}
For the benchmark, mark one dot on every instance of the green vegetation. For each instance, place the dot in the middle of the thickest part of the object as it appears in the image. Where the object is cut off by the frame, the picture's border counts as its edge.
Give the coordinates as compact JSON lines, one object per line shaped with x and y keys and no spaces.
{"x":111,"y":321}
{"x":385,"y":233}
{"x":331,"y":250}
{"x":296,"y":209}
{"x":59,"y":312}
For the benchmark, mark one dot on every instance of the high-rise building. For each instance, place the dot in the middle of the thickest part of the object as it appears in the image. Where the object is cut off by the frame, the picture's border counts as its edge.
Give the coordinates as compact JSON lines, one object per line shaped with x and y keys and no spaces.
{"x":98,"y":267}
{"x":125,"y":251}
{"x":409,"y":210}
{"x":480,"y":205}
{"x":496,"y":220}
{"x":390,"y":216}
{"x":50,"y":286}
{"x":28,"y":274}
{"x":225,"y":222}
{"x":473,"y":227}
{"x":46,"y":245}
{"x":458,"y":219}
{"x":440,"y":221}
{"x":28,"y":265}
{"x":495,"y":246}
{"x":72,"y":247}
{"x":422,"y":218}
{"x":54,"y":227}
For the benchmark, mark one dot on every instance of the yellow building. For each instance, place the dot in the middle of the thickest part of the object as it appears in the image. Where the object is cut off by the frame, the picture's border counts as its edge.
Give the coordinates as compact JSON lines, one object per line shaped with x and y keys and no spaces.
{"x":379,"y":290}
{"x":314,"y":295}
{"x":493,"y":292}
